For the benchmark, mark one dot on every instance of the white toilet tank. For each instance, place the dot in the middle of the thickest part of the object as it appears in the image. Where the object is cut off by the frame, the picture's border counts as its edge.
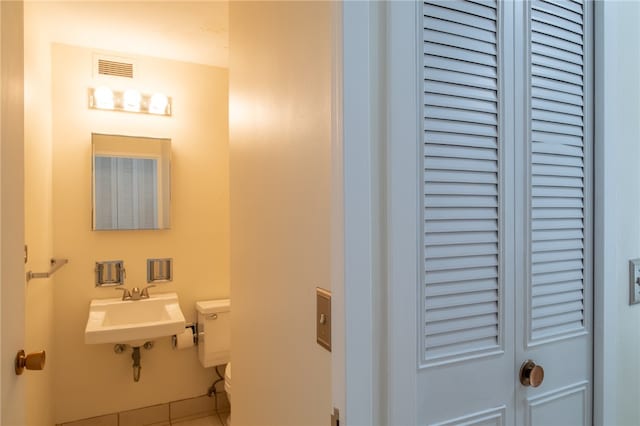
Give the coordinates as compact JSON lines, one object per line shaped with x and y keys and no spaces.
{"x":214,"y":331}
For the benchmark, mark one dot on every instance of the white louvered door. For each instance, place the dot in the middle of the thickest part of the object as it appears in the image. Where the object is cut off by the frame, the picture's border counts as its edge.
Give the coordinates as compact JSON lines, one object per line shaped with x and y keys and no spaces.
{"x":505,"y":217}
{"x":464,"y":345}
{"x":554,"y":281}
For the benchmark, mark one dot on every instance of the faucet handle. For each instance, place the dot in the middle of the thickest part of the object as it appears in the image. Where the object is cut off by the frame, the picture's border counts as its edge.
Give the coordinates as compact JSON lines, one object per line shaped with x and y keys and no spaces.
{"x":126,"y":294}
{"x":145,"y":291}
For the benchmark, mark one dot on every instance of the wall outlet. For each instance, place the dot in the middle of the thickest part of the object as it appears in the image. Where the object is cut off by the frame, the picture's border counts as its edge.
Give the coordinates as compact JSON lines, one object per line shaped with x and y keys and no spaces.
{"x":634,"y":281}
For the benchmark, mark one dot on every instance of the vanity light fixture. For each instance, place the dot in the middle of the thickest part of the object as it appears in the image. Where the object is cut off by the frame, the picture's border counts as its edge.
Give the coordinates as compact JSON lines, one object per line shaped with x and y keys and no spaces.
{"x":129,"y":101}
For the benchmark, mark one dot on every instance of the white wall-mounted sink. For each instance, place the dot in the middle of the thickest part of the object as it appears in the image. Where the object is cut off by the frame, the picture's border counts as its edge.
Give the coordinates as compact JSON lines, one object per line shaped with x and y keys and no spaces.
{"x":133,"y":321}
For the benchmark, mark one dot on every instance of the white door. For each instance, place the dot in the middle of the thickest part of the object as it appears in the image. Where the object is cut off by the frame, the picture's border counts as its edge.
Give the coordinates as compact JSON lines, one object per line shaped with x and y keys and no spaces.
{"x":12,"y":278}
{"x":491,"y":102}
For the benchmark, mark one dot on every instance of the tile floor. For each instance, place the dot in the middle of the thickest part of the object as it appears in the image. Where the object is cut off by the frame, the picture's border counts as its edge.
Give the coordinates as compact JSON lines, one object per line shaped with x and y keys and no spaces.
{"x":198,"y":411}
{"x":214,"y":420}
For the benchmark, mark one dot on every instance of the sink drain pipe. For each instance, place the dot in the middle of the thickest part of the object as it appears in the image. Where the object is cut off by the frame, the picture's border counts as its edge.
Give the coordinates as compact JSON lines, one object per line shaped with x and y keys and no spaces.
{"x":135,"y":356}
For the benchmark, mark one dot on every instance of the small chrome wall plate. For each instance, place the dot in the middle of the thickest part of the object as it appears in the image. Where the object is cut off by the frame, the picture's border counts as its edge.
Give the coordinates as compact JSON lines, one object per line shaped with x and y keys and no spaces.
{"x":159,"y":270}
{"x":110,"y":273}
{"x":634,"y":281}
{"x":323,"y":318}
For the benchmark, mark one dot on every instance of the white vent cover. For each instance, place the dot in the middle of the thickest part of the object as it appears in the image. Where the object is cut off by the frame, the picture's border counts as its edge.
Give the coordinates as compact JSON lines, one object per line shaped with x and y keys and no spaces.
{"x":113,"y":66}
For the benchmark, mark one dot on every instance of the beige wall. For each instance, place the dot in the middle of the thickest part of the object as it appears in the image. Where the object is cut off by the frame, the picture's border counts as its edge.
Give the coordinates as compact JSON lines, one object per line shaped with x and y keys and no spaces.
{"x":91,"y":379}
{"x":280,"y":176}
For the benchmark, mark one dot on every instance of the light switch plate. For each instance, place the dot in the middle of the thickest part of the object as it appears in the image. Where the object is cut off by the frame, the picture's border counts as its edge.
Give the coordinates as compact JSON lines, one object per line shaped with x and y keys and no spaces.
{"x":634,"y":281}
{"x":323,"y":318}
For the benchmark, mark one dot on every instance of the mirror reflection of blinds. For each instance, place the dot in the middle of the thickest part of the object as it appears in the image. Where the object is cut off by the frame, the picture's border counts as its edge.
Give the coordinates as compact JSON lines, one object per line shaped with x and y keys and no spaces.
{"x":126,"y":193}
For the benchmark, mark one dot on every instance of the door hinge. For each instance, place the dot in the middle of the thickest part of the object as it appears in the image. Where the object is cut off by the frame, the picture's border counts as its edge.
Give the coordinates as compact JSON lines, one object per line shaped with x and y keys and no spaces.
{"x":335,"y":417}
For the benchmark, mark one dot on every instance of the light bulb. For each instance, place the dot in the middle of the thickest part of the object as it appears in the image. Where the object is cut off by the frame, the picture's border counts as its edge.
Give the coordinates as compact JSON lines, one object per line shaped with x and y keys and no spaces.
{"x":131,"y":100}
{"x":158,"y":104}
{"x":103,"y":98}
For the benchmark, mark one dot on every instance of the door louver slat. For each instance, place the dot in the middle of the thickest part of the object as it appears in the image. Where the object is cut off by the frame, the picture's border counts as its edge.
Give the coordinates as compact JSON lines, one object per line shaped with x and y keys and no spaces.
{"x":558,"y":63}
{"x":557,"y":277}
{"x":458,"y":214}
{"x":551,"y":138}
{"x":460,"y":189}
{"x":468,"y":334}
{"x":544,"y":246}
{"x":460,"y":78}
{"x":443,"y":63}
{"x":460,"y":29}
{"x":461,"y":312}
{"x":557,"y":288}
{"x":461,"y":324}
{"x":465,"y":42}
{"x":451,"y":176}
{"x":542,"y":213}
{"x":451,"y":15}
{"x":554,"y":52}
{"x":470,"y":10}
{"x":461,"y":193}
{"x":449,"y":101}
{"x":550,"y":19}
{"x":558,"y":309}
{"x":572,"y":5}
{"x":557,"y":170}
{"x":548,"y":256}
{"x":465,"y":56}
{"x":453,"y":288}
{"x":461,"y":274}
{"x":554,"y":86}
{"x":548,"y":148}
{"x":558,"y":32}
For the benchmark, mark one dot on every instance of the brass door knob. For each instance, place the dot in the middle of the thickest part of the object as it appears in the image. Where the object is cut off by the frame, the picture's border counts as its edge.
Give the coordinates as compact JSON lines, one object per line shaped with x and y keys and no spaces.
{"x":32,"y":361}
{"x":531,"y":374}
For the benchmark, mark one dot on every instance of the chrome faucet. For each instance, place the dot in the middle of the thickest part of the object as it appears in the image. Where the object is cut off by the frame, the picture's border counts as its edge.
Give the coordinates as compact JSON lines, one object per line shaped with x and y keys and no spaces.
{"x":135,"y":293}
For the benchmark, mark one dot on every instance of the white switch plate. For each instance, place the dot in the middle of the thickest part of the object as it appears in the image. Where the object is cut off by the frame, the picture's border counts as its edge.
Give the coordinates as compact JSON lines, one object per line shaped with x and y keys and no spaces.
{"x":634,"y":281}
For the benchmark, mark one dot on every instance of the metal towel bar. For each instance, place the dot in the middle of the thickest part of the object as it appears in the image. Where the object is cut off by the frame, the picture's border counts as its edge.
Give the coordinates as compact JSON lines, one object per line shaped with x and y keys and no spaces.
{"x":55,"y":265}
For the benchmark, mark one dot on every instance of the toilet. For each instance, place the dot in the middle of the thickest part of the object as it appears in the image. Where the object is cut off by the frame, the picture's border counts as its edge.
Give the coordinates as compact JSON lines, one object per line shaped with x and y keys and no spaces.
{"x":214,"y":338}
{"x":227,"y":381}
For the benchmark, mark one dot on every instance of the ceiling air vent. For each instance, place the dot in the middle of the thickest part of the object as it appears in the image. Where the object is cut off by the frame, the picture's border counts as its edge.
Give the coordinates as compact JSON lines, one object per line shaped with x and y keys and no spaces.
{"x":115,"y":68}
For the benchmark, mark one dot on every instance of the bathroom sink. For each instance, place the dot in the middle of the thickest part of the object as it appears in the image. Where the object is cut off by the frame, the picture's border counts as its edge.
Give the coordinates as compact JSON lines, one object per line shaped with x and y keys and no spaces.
{"x":133,"y":321}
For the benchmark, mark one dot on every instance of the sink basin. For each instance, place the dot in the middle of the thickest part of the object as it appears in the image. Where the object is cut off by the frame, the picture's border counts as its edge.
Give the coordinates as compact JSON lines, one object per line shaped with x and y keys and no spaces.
{"x":133,"y":321}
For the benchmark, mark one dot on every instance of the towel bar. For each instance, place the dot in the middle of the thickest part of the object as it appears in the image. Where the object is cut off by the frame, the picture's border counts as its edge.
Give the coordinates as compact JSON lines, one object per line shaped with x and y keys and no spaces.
{"x":55,"y":265}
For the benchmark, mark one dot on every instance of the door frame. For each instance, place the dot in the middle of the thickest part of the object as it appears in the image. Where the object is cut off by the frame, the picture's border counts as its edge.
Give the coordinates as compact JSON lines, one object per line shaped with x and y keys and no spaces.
{"x":361,"y":139}
{"x":365,"y":58}
{"x":604,"y":302}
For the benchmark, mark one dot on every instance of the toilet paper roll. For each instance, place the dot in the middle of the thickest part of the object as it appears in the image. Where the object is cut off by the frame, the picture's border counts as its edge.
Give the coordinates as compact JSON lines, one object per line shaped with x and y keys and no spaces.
{"x":183,"y":340}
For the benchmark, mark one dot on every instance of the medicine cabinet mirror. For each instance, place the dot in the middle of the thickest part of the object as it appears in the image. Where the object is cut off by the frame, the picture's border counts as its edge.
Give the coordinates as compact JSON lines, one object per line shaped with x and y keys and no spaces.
{"x":131,"y":182}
